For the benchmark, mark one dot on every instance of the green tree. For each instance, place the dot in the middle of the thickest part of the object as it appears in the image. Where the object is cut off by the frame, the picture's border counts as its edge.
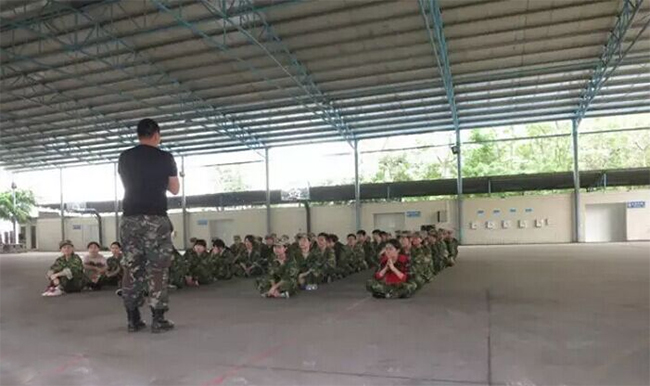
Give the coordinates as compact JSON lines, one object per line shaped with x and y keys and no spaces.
{"x":231,"y":180}
{"x":25,"y":202}
{"x":394,"y":167}
{"x":543,"y":155}
{"x":484,"y":158}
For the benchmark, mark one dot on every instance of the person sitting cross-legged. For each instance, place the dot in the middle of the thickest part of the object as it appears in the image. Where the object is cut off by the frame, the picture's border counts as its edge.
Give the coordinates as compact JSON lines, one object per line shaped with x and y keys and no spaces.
{"x":392,"y":277}
{"x":94,"y":267}
{"x":67,"y":273}
{"x":281,"y":280}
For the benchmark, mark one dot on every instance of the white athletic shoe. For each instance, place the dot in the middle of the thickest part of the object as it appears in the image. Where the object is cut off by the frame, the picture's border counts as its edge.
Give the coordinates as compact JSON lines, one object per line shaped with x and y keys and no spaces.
{"x":284,"y":295}
{"x":55,"y":292}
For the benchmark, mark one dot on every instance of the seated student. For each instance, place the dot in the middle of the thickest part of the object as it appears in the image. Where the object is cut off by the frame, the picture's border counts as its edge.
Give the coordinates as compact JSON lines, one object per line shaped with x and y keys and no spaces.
{"x":223,"y":260}
{"x":281,"y":280}
{"x":357,"y":254}
{"x":311,"y":264}
{"x":418,"y":248}
{"x":237,"y":247}
{"x":343,"y":256}
{"x":179,"y":271}
{"x":247,"y":263}
{"x":201,"y":266}
{"x":421,"y":265}
{"x":452,"y":247}
{"x":114,"y":267}
{"x":192,"y":242}
{"x":266,"y":249}
{"x":67,"y":273}
{"x":328,"y":258}
{"x":368,"y":249}
{"x":294,"y":248}
{"x":392,"y":277}
{"x":94,"y":267}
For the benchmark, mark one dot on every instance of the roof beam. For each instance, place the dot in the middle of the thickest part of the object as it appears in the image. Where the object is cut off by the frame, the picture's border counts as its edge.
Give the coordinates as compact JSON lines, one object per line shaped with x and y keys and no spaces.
{"x":152,"y":76}
{"x":254,"y":24}
{"x":430,"y":10}
{"x":611,"y":57}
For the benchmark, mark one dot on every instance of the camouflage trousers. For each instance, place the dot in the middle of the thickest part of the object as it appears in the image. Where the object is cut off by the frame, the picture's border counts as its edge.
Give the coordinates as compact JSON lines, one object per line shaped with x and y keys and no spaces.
{"x":148,"y":249}
{"x":265,"y":283}
{"x":254,"y":270}
{"x":76,"y":284}
{"x":379,"y":288}
{"x":313,"y":277}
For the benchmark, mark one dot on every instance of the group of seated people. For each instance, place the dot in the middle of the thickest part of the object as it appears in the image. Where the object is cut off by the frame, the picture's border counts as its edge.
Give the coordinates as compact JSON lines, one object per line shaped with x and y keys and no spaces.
{"x":403,"y":264}
{"x":70,"y":273}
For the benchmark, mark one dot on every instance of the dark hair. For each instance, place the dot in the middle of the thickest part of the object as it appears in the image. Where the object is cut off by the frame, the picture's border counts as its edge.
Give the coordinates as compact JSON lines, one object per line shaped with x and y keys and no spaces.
{"x":93,"y":243}
{"x":201,"y":242}
{"x":147,"y":128}
{"x":394,"y":243}
{"x":116,"y":243}
{"x":193,"y":239}
{"x":376,"y":232}
{"x":334,"y":238}
{"x":250,"y":238}
{"x":218,"y":243}
{"x":323,"y":234}
{"x":352,"y":235}
{"x":382,"y":233}
{"x":361,"y":232}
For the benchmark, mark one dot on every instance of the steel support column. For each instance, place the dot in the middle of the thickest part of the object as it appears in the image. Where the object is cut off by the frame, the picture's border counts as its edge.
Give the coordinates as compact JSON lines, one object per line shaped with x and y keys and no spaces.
{"x":577,"y":228}
{"x":184,"y":204}
{"x":357,"y":186}
{"x":459,"y":187}
{"x":268,"y":191}
{"x":62,"y":205}
{"x":116,"y":204}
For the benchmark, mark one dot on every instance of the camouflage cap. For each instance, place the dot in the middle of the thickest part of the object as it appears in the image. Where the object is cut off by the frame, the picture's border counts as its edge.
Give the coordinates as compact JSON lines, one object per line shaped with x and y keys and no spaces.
{"x":282,"y":241}
{"x":302,"y":236}
{"x":237,"y":238}
{"x":269,"y":236}
{"x":417,"y":235}
{"x":64,"y":243}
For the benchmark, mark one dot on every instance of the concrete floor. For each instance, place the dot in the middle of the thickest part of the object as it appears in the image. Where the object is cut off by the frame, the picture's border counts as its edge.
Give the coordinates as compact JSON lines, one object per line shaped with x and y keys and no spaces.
{"x":506,"y":315}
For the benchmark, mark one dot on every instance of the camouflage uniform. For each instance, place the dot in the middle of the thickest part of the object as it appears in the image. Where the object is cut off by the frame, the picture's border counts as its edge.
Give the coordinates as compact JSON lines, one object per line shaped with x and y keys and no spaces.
{"x":223,"y":265}
{"x":344,"y":257}
{"x":286,"y":272}
{"x":314,"y":262}
{"x":113,"y":264}
{"x":252,"y":261}
{"x":370,"y":255}
{"x":441,"y":255}
{"x":358,"y":257}
{"x":202,"y":267}
{"x":452,"y":251}
{"x":421,"y":265}
{"x":237,"y":248}
{"x":179,"y":270}
{"x":75,"y":281}
{"x":328,"y":257}
{"x":380,"y":289}
{"x":147,"y":257}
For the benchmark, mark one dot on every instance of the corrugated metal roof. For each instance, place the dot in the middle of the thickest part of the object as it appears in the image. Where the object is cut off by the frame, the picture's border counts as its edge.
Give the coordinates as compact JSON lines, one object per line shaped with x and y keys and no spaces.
{"x":224,"y":76}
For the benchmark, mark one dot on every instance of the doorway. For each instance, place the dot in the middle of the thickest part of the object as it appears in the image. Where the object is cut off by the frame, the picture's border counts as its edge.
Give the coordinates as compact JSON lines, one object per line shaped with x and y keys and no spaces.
{"x":389,"y":222}
{"x":605,"y":223}
{"x":222,"y":229}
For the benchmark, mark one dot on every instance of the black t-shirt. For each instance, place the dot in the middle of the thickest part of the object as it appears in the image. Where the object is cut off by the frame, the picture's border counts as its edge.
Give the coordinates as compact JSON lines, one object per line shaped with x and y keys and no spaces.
{"x":145,"y":172}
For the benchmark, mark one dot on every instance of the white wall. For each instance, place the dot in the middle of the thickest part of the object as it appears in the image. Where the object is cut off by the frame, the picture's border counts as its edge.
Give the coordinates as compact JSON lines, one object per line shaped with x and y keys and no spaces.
{"x":554,"y":212}
{"x":637,"y":219}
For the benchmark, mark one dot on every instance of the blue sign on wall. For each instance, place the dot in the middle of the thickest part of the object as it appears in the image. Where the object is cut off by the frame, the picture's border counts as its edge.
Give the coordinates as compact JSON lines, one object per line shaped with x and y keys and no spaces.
{"x":480,"y":212}
{"x":513,"y":210}
{"x":202,"y":222}
{"x":496,"y":211}
{"x":636,"y":204}
{"x":76,"y":227}
{"x":413,"y":213}
{"x":528,"y":210}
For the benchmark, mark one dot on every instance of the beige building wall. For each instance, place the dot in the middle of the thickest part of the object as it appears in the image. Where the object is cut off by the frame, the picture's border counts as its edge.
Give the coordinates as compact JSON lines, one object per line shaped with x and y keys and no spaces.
{"x":545,"y":219}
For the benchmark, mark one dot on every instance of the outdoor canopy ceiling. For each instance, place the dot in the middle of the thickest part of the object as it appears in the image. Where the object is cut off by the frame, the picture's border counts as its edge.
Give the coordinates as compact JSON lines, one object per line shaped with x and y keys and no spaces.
{"x":225,"y":76}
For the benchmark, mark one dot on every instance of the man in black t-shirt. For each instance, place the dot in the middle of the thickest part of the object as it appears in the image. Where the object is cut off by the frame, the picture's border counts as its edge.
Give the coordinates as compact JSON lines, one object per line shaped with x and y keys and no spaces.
{"x":147,"y":173}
